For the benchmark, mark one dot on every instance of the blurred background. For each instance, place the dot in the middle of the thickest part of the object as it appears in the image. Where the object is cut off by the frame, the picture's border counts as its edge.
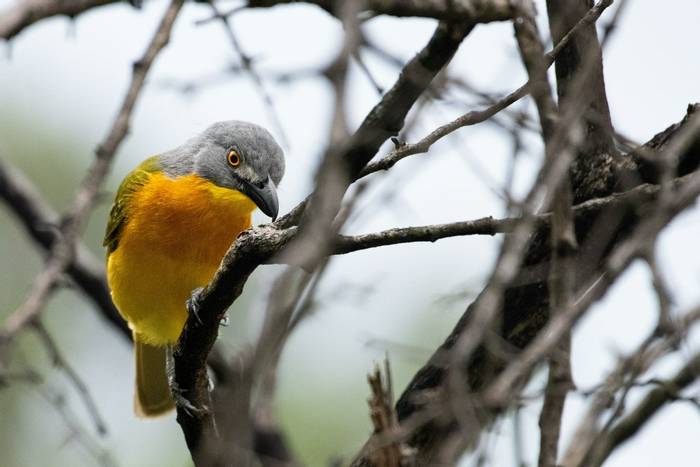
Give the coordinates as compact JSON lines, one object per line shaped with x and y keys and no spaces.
{"x":61,"y":82}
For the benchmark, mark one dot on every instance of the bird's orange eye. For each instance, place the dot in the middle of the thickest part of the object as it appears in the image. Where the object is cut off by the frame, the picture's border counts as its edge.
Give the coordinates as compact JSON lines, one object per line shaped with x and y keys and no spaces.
{"x":234,"y":159}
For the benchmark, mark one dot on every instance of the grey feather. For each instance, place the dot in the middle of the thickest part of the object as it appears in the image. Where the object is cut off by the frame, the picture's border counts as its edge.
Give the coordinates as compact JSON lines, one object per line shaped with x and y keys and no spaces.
{"x":205,"y":155}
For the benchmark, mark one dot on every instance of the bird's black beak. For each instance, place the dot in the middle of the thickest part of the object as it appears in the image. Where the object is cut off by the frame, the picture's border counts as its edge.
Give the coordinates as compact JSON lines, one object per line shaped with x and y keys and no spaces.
{"x":264,"y":195}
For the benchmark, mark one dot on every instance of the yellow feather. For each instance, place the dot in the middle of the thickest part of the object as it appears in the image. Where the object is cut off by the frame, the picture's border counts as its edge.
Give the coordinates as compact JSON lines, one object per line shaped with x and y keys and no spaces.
{"x":178,"y":231}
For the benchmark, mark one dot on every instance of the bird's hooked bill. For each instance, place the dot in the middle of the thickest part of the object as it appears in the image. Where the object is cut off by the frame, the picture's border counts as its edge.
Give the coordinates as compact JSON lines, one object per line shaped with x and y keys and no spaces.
{"x":264,"y":196}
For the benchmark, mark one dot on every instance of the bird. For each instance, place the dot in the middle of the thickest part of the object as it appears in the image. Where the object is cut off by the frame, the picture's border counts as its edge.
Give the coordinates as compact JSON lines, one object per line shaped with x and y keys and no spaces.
{"x":173,"y":219}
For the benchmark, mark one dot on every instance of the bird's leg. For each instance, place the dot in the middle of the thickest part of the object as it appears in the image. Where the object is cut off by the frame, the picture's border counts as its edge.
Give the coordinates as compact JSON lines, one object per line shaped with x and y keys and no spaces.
{"x":178,"y":396}
{"x":193,"y":303}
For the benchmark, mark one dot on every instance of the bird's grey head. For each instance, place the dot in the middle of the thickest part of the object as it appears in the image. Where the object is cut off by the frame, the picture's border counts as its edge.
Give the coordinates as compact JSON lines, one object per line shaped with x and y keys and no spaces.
{"x":236,"y":155}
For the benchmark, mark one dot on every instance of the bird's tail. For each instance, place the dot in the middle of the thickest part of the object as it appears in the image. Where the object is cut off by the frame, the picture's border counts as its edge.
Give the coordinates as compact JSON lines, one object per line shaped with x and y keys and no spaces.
{"x":153,"y":395}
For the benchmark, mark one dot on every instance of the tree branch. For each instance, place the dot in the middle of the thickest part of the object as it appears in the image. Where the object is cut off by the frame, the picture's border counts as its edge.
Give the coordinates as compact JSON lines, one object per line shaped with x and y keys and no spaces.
{"x":275,"y":240}
{"x":473,"y":11}
{"x":477,"y":116}
{"x":60,"y":361}
{"x":562,"y":236}
{"x":610,"y":396}
{"x":580,"y":85}
{"x":24,"y":13}
{"x":665,"y":393}
{"x":41,"y":223}
{"x":524,"y":303}
{"x":514,"y":375}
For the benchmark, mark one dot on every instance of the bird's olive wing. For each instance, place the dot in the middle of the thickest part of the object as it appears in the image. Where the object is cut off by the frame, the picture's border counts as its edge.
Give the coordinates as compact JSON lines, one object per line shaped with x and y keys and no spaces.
{"x":119,"y":214}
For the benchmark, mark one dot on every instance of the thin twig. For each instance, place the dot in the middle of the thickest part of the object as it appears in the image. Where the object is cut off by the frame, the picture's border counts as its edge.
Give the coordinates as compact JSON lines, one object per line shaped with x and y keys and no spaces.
{"x":562,"y":236}
{"x":478,"y":116}
{"x":76,"y":431}
{"x":638,"y":416}
{"x":61,"y":362}
{"x":247,"y":63}
{"x":501,"y":390}
{"x":588,"y":434}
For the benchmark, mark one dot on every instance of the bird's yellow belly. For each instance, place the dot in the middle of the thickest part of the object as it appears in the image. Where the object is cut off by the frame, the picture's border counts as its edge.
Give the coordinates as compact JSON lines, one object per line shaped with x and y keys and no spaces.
{"x":177,"y":233}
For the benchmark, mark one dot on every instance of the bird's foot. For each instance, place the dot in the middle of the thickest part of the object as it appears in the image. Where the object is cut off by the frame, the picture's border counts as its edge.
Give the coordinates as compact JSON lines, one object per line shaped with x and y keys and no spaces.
{"x":183,"y":403}
{"x":193,"y":303}
{"x":178,"y":394}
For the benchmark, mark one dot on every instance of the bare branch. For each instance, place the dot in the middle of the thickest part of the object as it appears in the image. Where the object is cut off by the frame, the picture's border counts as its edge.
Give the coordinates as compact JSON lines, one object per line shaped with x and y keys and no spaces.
{"x":665,"y":393}
{"x":502,"y":389}
{"x":580,"y":85}
{"x":562,"y":237}
{"x":422,"y":146}
{"x":275,"y":240}
{"x":27,"y":12}
{"x":255,"y":246}
{"x":524,"y":313}
{"x":41,"y":223}
{"x":75,"y":430}
{"x":248,"y":67}
{"x":487,"y":307}
{"x":588,"y":433}
{"x":474,"y":11}
{"x":478,"y":116}
{"x":60,"y":361}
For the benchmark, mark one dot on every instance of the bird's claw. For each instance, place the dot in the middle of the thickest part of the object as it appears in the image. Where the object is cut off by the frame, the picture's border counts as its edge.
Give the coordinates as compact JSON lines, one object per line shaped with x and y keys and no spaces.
{"x":178,"y":394}
{"x":193,"y":303}
{"x":183,"y":403}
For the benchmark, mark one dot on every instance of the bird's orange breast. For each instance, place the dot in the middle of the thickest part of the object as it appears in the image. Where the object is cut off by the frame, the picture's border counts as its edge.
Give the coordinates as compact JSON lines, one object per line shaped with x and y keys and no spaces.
{"x":177,"y":232}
